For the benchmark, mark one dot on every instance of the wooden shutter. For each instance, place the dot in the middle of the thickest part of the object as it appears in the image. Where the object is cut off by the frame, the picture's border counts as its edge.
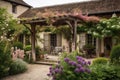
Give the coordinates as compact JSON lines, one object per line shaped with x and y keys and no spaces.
{"x":59,"y":40}
{"x":82,"y":40}
{"x":47,"y":41}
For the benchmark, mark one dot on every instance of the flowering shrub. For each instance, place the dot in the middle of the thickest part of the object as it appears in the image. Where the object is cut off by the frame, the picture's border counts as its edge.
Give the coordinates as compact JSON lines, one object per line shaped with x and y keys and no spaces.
{"x":18,"y":54}
{"x":73,"y":67}
{"x":70,"y":69}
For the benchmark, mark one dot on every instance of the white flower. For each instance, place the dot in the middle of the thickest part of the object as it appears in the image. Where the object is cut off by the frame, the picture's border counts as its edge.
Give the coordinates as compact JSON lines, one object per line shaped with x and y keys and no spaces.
{"x":1,"y":37}
{"x":2,"y":28}
{"x":9,"y":40}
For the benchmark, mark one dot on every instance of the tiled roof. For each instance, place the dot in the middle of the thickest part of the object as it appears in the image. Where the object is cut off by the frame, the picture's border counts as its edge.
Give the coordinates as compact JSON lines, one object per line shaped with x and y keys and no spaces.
{"x":21,"y":2}
{"x":90,"y":7}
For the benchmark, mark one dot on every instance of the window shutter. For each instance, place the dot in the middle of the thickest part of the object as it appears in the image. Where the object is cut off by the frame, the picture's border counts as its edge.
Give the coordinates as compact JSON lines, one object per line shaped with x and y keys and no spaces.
{"x":46,"y":41}
{"x":82,"y":40}
{"x":59,"y":40}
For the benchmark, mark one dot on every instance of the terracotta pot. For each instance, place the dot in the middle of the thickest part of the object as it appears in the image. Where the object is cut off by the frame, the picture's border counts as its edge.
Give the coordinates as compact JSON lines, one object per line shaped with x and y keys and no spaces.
{"x":41,"y":56}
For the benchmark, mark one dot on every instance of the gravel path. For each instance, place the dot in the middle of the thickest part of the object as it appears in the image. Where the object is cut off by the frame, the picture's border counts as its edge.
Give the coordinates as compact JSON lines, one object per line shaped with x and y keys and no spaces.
{"x":35,"y":72}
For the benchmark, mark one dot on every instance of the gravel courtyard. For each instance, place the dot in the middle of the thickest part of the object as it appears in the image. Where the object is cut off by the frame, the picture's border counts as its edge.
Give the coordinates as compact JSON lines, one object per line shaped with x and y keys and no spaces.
{"x":35,"y":72}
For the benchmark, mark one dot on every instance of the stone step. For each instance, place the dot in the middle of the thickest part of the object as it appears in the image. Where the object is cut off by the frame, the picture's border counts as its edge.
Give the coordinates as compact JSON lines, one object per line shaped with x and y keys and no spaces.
{"x":45,"y":63}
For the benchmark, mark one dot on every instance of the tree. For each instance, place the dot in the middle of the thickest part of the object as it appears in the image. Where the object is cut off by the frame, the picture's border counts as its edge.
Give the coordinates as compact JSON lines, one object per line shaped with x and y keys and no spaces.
{"x":9,"y":27}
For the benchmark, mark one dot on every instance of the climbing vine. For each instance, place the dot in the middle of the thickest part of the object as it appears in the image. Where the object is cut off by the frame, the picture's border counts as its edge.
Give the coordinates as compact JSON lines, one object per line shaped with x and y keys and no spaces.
{"x":106,"y":27}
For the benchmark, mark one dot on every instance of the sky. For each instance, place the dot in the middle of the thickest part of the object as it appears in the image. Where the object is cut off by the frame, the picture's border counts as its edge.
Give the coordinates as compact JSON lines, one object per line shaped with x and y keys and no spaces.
{"x":42,"y":3}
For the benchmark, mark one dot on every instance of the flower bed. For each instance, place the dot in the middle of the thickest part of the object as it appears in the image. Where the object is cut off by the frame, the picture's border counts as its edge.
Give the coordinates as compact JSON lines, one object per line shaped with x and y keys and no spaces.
{"x":74,"y":67}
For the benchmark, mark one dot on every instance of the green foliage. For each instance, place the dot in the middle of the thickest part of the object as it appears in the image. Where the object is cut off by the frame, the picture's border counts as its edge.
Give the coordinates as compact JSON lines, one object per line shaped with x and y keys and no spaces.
{"x":106,"y":27}
{"x":105,"y":72}
{"x":71,"y":67}
{"x":27,"y":56}
{"x":9,"y":27}
{"x":37,"y":50}
{"x":27,"y":48}
{"x":19,"y":45}
{"x":100,"y":60}
{"x":99,"y":70}
{"x":115,"y":54}
{"x":18,"y":66}
{"x":5,"y":60}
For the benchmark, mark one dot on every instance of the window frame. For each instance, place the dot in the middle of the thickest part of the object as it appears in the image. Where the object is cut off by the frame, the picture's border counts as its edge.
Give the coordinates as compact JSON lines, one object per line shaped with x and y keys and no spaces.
{"x":14,"y":8}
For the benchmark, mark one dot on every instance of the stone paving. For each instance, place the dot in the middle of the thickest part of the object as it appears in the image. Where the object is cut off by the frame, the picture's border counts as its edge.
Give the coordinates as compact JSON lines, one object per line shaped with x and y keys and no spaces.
{"x":35,"y":72}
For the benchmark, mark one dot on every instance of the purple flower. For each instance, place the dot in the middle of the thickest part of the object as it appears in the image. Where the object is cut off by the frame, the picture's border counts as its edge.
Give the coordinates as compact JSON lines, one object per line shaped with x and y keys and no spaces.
{"x":79,"y":65}
{"x":72,"y":63}
{"x":83,"y":63}
{"x":77,"y":70}
{"x":79,"y":61}
{"x":49,"y":74}
{"x":78,"y":57}
{"x":50,"y":68}
{"x":67,"y":60}
{"x":81,"y":69}
{"x":89,"y":62}
{"x":56,"y":70}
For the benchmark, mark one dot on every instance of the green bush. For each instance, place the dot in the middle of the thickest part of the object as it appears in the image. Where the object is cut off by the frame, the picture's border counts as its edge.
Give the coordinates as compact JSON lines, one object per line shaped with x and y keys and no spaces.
{"x":5,"y":60}
{"x":19,"y":45}
{"x":37,"y":50}
{"x":18,"y":66}
{"x":27,"y":48}
{"x":100,"y":60}
{"x":105,"y":72}
{"x":115,"y":54}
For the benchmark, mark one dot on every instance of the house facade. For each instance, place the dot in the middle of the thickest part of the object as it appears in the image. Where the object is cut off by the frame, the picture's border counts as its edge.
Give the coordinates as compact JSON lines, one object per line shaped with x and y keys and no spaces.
{"x":100,"y":8}
{"x":14,"y":7}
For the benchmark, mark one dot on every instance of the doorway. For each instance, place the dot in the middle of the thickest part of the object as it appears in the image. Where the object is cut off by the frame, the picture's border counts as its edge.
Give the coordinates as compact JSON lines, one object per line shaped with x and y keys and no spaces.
{"x":107,"y":46}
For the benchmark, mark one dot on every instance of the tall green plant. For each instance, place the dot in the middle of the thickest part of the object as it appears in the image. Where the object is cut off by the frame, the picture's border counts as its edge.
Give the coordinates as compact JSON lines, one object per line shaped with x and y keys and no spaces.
{"x":115,"y":55}
{"x":5,"y":60}
{"x":9,"y":27}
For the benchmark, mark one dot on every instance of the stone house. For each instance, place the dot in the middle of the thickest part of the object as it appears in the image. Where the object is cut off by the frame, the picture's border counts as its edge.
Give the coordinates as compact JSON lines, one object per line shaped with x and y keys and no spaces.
{"x":15,"y":8}
{"x":100,"y":8}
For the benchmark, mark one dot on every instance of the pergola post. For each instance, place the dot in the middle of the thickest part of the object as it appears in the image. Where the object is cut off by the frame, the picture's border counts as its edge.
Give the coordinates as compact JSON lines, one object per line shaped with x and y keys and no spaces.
{"x":73,"y":26}
{"x":74,"y":44}
{"x":33,"y":41}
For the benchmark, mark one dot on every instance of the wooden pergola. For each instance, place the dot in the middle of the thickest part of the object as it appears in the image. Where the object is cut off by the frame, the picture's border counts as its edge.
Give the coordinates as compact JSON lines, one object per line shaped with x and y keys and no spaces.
{"x":56,"y":21}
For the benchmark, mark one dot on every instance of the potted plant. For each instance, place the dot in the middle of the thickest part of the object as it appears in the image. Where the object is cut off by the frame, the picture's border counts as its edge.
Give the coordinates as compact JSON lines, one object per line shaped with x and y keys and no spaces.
{"x":42,"y":54}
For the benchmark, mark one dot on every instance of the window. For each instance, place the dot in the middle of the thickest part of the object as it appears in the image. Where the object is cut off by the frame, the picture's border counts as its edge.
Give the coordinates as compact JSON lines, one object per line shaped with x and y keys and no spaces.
{"x":91,"y":40}
{"x":53,"y":40}
{"x":14,"y":8}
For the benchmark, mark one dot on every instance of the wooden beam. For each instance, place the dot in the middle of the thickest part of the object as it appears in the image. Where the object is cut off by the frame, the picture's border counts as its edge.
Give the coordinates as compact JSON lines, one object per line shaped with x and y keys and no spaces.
{"x":28,"y":28}
{"x":70,"y":25}
{"x":33,"y":29}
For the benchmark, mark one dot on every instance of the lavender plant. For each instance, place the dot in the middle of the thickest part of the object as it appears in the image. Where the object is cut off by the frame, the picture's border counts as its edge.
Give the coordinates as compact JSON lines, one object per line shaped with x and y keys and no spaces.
{"x":69,"y":69}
